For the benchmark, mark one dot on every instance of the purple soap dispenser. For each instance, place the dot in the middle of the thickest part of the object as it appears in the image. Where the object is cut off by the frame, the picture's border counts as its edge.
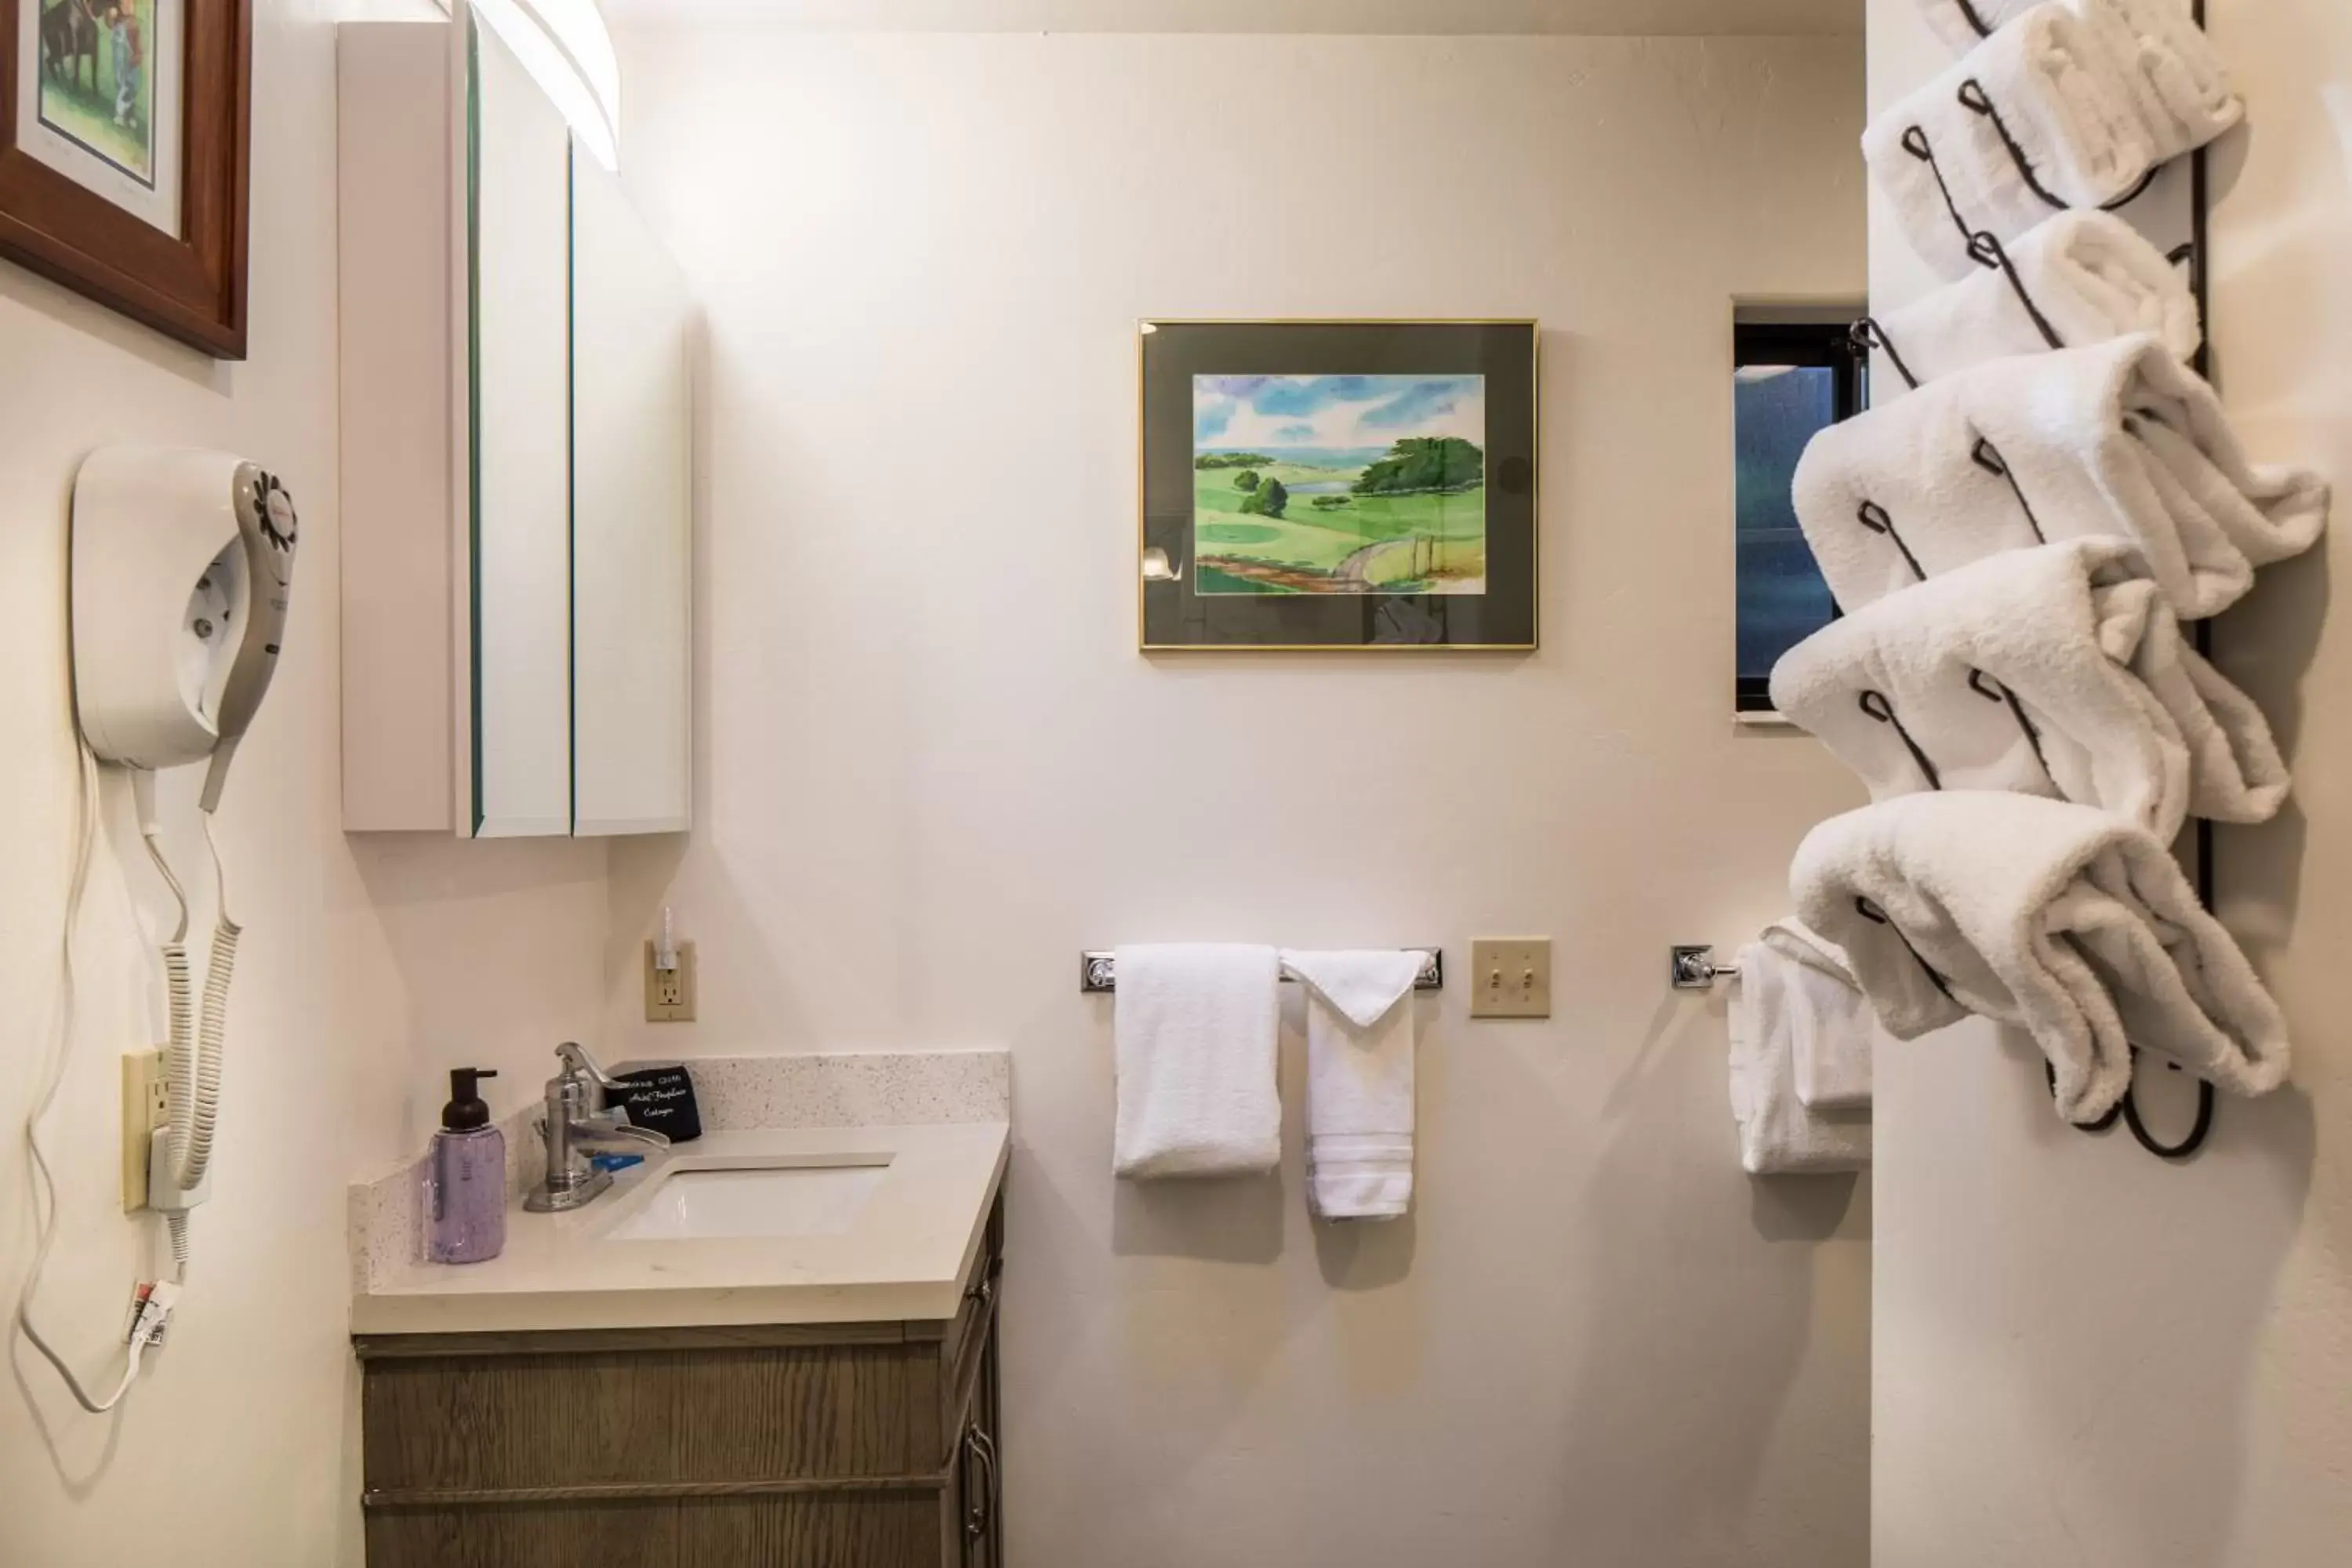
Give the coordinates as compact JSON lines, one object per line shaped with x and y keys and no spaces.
{"x":466,"y":1177}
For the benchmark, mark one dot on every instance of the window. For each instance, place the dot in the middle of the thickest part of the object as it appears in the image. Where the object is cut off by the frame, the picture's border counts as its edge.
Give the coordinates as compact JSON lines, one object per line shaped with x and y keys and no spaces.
{"x":1790,"y":381}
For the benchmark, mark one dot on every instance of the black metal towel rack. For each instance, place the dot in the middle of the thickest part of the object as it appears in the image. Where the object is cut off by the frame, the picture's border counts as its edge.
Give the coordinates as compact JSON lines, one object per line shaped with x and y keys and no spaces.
{"x":1986,"y":251}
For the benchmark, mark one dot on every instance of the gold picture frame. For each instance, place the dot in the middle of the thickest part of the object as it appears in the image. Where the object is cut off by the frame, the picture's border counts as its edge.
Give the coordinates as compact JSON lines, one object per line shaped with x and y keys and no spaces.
{"x":1413,"y":444}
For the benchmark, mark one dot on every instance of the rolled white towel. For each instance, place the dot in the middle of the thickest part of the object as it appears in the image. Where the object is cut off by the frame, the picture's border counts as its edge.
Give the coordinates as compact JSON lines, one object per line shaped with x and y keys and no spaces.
{"x":1943,"y":155}
{"x":1779,"y":1134}
{"x":2055,"y":671}
{"x":2180,"y":85}
{"x":2121,"y":439}
{"x":2089,"y":277}
{"x":2053,"y":918}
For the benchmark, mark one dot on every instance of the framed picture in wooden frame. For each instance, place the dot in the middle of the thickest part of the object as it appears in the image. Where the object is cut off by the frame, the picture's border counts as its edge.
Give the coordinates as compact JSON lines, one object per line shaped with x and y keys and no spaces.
{"x":125,"y":139}
{"x":1338,"y":485}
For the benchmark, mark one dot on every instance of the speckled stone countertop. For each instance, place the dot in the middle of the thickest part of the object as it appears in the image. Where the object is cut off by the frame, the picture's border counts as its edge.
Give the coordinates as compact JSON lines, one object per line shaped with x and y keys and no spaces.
{"x":939,"y":1117}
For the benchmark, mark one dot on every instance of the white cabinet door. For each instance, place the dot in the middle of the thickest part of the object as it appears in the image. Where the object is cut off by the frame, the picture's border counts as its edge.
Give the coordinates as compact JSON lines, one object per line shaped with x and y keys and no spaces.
{"x":632,"y":520}
{"x":520,"y":569}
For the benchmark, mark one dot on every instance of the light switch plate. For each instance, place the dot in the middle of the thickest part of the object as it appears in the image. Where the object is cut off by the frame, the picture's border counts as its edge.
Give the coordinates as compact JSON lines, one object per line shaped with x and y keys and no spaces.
{"x":1510,"y":977}
{"x":669,"y":997}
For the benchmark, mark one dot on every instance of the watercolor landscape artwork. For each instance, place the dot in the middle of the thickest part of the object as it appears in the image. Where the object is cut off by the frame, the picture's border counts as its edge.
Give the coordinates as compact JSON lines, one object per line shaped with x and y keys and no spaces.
{"x":1340,"y":484}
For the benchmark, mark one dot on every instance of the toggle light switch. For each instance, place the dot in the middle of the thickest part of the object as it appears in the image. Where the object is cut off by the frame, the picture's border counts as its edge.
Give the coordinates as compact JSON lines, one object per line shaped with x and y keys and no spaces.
{"x":1510,"y":977}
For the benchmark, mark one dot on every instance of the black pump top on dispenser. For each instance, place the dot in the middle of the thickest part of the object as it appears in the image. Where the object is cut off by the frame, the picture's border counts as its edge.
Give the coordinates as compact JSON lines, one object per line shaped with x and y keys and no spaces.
{"x":466,"y":1110}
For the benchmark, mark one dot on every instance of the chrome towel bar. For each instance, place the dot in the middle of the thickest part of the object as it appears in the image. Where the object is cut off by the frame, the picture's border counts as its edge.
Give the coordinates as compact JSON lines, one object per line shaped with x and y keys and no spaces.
{"x":1694,"y":968}
{"x":1098,"y":971}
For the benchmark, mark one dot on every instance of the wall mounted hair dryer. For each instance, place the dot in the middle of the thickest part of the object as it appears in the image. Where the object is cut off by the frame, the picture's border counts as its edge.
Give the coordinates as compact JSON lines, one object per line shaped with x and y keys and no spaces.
{"x":181,"y":563}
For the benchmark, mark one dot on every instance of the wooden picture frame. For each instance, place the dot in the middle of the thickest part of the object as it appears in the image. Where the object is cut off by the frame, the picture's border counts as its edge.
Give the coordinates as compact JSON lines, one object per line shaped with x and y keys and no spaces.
{"x":157,"y":233}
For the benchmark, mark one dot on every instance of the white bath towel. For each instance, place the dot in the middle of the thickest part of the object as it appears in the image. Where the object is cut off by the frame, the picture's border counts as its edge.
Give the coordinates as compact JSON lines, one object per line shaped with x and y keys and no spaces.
{"x":2180,"y":85}
{"x":2089,"y":277}
{"x":2053,"y":918}
{"x":2058,"y":670}
{"x":1196,"y":1027}
{"x":1359,"y":1091}
{"x":1779,"y":1134}
{"x":2036,"y":119}
{"x":2121,"y":439}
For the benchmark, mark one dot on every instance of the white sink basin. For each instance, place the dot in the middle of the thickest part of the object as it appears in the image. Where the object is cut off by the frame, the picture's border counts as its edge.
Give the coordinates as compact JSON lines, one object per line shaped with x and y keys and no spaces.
{"x":693,"y":1203}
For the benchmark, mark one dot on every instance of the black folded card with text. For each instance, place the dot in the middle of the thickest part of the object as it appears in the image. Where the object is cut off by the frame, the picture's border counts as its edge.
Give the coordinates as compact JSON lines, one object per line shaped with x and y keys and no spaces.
{"x":661,"y":1099}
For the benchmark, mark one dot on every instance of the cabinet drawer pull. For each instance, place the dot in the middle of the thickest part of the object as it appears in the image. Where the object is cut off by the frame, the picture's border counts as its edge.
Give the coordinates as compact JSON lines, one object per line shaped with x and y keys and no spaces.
{"x":983,"y":1508}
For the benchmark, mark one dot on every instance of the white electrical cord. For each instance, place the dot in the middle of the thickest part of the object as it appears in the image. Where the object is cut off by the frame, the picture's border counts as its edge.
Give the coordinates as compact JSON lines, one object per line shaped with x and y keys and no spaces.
{"x":179,"y":1012}
{"x":192,"y":1135}
{"x":195,"y":1047}
{"x":45,"y":1186}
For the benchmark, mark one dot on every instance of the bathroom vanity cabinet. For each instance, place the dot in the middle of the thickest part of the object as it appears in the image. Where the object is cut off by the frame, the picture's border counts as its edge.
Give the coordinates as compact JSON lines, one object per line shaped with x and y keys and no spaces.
{"x":818,"y":1446}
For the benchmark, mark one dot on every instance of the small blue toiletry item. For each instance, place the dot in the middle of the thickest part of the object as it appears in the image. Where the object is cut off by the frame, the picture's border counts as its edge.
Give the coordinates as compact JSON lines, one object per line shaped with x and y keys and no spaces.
{"x":615,"y":1161}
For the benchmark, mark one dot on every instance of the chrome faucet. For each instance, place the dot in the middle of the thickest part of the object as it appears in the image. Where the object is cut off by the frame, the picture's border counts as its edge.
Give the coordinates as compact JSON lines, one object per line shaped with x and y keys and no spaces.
{"x":577,"y":1123}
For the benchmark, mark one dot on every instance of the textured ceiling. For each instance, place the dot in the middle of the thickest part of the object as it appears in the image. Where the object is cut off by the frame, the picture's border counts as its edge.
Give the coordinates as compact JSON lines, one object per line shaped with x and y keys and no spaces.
{"x":1586,"y":17}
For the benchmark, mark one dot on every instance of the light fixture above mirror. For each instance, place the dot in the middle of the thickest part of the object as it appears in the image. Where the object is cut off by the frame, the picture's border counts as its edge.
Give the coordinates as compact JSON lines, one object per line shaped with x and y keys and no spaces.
{"x":568,"y":50}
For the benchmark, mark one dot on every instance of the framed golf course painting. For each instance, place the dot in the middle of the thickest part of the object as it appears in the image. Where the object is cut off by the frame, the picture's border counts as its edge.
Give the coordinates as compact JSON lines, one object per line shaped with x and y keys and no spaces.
{"x":1310,"y":484}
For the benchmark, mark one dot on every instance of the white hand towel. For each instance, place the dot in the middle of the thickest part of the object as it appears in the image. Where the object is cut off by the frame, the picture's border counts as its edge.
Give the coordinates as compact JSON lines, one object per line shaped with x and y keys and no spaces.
{"x":1196,"y":1027}
{"x":2121,"y":439}
{"x":1794,"y":940}
{"x":2057,"y":671}
{"x":2178,"y":83}
{"x":2053,"y":917}
{"x":1942,"y":153}
{"x":1359,"y":1092}
{"x":1832,"y":1033}
{"x":1780,"y":1135}
{"x":2090,"y":275}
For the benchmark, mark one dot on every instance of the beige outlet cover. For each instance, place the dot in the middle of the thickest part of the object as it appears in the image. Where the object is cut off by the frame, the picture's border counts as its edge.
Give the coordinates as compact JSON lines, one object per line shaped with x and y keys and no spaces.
{"x":142,"y":1113}
{"x":1510,"y":977}
{"x":670,"y":1000}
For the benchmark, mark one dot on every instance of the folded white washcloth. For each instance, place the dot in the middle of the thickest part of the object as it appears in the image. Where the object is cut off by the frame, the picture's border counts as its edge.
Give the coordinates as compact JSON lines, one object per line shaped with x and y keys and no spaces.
{"x":2178,"y":83}
{"x":2058,"y":670}
{"x":1359,"y":1091}
{"x":1794,"y":940}
{"x":2120,"y":438}
{"x":2089,"y":277}
{"x":2036,"y":119}
{"x":1780,"y":1133}
{"x":1196,"y":1027}
{"x":2050,"y":917}
{"x":1833,"y":1034}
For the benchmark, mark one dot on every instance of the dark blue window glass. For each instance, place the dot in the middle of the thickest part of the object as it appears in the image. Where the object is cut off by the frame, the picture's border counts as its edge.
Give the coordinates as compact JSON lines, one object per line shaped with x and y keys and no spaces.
{"x":1782,"y":599}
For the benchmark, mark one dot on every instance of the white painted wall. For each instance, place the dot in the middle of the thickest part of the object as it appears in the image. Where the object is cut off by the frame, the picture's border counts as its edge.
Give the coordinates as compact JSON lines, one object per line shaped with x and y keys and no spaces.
{"x":2083,"y":1356}
{"x":935,"y":768}
{"x":366,"y":968}
{"x":1644,"y":18}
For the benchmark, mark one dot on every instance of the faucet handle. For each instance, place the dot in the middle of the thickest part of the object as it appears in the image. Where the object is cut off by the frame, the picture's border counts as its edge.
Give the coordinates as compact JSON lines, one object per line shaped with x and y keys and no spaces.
{"x":575,"y":1059}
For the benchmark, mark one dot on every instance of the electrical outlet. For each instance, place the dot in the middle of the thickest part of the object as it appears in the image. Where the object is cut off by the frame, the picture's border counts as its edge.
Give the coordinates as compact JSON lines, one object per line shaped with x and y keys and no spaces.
{"x":146,"y":1102}
{"x":669,"y":992}
{"x":1510,"y":977}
